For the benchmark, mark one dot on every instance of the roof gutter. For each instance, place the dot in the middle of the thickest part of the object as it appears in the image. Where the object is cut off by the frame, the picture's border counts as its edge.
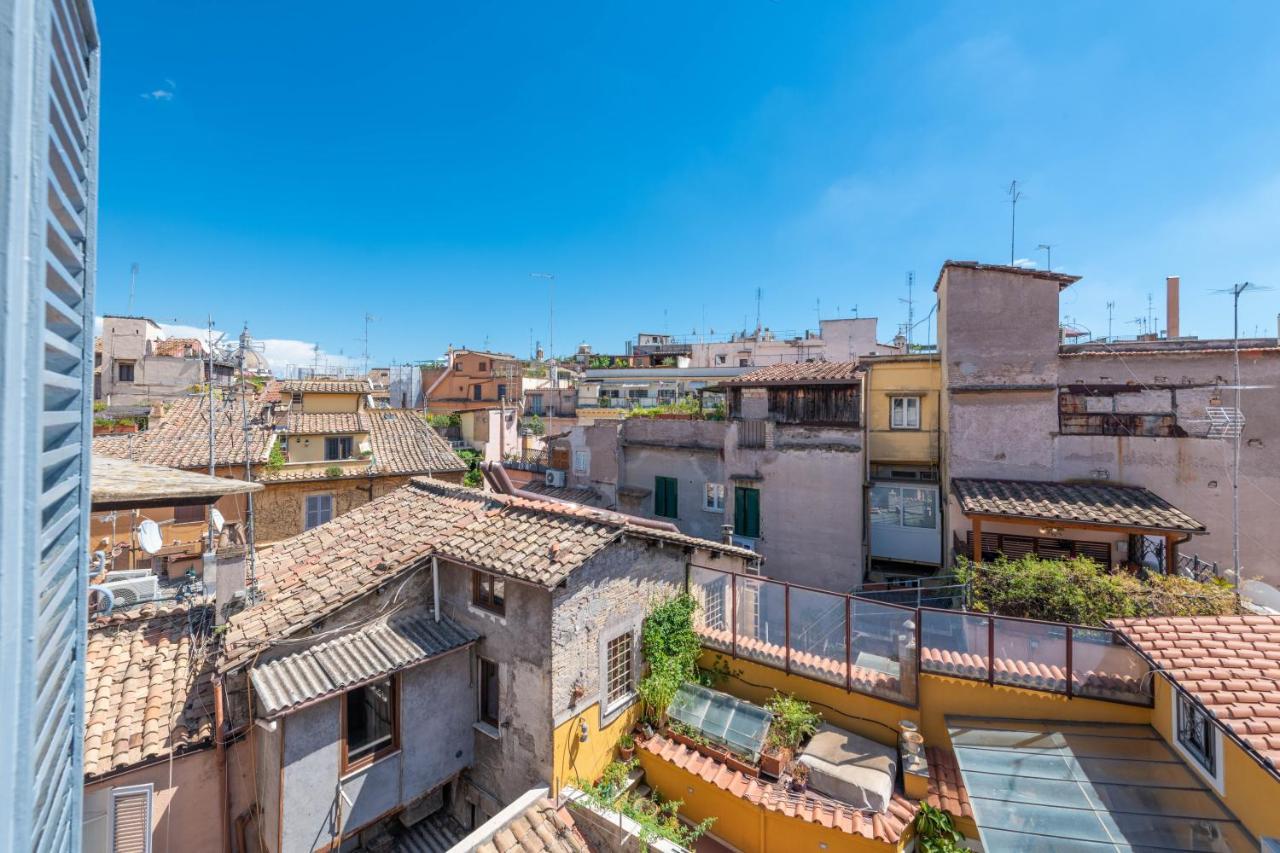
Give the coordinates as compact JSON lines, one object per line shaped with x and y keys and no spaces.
{"x":500,"y":481}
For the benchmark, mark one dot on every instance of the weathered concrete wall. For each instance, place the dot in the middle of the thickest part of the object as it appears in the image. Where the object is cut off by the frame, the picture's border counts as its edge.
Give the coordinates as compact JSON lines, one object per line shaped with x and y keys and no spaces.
{"x":690,"y":451}
{"x":518,"y":756}
{"x":309,"y":777}
{"x":811,"y":500}
{"x":601,"y":443}
{"x":266,"y":747}
{"x":184,"y":812}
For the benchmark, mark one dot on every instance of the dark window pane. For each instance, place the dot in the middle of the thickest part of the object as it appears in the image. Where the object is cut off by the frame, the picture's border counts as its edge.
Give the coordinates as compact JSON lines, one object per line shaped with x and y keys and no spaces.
{"x":489,"y":692}
{"x":370,"y":719}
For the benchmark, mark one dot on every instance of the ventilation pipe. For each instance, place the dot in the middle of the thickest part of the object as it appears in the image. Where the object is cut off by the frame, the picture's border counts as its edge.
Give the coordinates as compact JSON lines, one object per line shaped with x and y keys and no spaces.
{"x":1171,"y":307}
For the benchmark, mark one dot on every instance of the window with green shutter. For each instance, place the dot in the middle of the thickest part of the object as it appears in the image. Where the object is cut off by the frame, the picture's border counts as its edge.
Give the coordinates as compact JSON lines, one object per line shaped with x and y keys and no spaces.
{"x":664,"y":497}
{"x":746,"y":512}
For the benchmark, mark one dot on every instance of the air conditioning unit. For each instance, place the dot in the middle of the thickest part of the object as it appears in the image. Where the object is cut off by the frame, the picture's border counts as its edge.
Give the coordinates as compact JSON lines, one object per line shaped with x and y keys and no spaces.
{"x":133,"y":590}
{"x":555,"y":478}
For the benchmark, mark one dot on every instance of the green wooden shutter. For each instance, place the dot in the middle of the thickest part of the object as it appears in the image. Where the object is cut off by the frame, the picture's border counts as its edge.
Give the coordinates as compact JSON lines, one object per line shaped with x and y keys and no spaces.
{"x":746,"y":512}
{"x":664,"y":497}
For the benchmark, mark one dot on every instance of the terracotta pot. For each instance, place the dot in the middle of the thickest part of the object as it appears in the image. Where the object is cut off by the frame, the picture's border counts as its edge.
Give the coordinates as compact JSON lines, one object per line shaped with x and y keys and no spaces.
{"x":626,"y":752}
{"x":741,"y":766}
{"x":772,"y":763}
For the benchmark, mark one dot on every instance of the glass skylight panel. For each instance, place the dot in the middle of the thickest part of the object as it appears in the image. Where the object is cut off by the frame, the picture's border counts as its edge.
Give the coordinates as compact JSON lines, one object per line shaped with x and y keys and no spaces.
{"x":740,"y":726}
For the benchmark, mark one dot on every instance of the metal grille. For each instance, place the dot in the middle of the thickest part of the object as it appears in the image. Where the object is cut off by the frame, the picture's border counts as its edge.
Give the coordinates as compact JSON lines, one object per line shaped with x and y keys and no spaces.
{"x":618,"y":663}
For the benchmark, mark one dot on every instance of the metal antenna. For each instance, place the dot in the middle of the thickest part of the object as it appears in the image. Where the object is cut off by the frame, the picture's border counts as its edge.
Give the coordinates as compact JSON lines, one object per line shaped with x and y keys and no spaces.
{"x":368,"y":318}
{"x":1014,"y":195}
{"x":133,"y":284}
{"x":551,"y":310}
{"x":911,"y":308}
{"x":1048,"y":255}
{"x":1111,"y":307}
{"x":759,"y":293}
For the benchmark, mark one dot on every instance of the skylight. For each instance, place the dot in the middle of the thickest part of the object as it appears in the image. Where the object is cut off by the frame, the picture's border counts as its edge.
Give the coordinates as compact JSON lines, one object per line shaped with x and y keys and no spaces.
{"x":721,"y":718}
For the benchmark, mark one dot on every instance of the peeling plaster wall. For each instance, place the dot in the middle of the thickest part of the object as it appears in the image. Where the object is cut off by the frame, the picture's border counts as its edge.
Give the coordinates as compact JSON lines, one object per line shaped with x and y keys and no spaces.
{"x":690,"y":451}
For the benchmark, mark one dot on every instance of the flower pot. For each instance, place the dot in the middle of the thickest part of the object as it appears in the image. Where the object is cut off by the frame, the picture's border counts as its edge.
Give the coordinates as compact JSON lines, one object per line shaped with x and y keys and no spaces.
{"x":772,"y":763}
{"x":626,"y":752}
{"x":799,"y":785}
{"x":735,"y":763}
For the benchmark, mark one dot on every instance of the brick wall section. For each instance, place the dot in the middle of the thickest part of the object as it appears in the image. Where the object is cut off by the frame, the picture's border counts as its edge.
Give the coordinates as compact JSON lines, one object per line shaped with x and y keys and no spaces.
{"x":278,"y":509}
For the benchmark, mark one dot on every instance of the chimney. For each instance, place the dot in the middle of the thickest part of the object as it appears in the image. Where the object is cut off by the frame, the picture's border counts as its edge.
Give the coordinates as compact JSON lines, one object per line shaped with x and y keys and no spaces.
{"x":1171,"y":307}
{"x":726,"y":534}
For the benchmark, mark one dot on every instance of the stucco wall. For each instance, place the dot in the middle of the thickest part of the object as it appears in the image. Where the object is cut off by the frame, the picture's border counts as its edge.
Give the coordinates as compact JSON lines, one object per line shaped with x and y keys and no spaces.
{"x":314,"y":402}
{"x":690,"y":451}
{"x":999,"y":328}
{"x":184,"y":813}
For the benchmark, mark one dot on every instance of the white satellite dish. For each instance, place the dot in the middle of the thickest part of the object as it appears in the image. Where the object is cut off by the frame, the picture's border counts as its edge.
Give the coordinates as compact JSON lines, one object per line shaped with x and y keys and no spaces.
{"x":216,"y":518}
{"x":149,"y":536}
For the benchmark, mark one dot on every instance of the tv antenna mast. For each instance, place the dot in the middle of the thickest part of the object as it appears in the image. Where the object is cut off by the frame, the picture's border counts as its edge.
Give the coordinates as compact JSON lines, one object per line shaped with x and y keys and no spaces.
{"x":1111,"y":307}
{"x":1014,"y":195}
{"x":247,"y":345}
{"x":133,"y":284}
{"x":759,"y":294}
{"x":368,"y":318}
{"x":1048,"y":255}
{"x":911,"y":306}
{"x":551,"y":310}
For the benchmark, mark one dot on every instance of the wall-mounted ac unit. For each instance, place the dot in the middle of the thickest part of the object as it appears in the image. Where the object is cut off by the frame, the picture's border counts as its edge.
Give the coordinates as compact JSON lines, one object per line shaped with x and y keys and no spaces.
{"x":555,"y":478}
{"x":133,"y":590}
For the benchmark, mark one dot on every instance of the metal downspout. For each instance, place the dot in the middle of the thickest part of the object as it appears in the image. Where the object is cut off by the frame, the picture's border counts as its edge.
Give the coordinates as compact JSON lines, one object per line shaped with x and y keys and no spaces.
{"x":220,"y":744}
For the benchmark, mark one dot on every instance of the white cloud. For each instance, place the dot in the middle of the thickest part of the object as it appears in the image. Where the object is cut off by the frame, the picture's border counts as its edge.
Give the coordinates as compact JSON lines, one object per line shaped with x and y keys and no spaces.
{"x":281,"y":353}
{"x":164,"y":93}
{"x":1025,"y":263}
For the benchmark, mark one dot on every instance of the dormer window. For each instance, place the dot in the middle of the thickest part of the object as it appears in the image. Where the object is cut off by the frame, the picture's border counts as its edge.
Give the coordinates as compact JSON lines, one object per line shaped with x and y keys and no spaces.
{"x":338,"y":447}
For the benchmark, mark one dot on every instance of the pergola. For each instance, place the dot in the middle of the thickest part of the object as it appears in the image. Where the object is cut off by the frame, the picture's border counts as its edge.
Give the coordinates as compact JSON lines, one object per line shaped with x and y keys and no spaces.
{"x":1098,"y":507}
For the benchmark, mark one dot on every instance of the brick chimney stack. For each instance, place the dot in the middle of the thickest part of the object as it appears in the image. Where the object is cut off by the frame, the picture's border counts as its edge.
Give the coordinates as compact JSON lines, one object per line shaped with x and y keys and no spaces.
{"x":1171,"y":306}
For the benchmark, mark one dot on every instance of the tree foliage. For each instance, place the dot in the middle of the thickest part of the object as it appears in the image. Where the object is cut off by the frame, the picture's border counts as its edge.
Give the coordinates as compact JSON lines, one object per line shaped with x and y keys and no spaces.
{"x":671,"y":649}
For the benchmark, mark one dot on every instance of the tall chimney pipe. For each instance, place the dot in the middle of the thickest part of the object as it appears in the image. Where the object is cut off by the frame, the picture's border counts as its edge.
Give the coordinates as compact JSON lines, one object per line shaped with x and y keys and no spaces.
{"x":1171,"y":306}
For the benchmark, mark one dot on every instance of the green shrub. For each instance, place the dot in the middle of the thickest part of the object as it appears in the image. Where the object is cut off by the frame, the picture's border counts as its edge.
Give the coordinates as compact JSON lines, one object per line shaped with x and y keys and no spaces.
{"x":536,"y":426}
{"x":275,"y":460}
{"x":793,"y":720}
{"x":935,"y":831}
{"x":671,"y":649}
{"x":333,"y":471}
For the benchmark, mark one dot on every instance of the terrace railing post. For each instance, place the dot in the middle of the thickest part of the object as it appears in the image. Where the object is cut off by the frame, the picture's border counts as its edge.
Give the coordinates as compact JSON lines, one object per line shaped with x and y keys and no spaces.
{"x":786,"y":624}
{"x":1070,"y":669}
{"x":991,"y":650}
{"x":733,"y":617}
{"x":848,"y":643}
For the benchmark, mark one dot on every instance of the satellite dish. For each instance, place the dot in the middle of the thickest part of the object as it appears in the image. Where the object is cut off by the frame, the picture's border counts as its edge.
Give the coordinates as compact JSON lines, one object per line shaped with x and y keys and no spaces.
{"x":216,"y":518}
{"x":149,"y":536}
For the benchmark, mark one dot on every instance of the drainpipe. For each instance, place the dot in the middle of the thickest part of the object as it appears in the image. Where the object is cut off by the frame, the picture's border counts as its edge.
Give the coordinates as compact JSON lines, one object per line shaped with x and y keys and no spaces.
{"x":435,"y":585}
{"x":220,"y":745}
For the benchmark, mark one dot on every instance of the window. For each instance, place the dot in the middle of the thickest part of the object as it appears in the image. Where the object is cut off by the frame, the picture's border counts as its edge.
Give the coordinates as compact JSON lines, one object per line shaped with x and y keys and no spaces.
{"x":369,"y":724}
{"x":746,"y":512}
{"x":457,"y":365}
{"x":489,"y":692}
{"x":124,"y":371}
{"x":904,"y":413}
{"x":319,"y":510}
{"x":904,"y":506}
{"x":502,"y":391}
{"x":580,"y":461}
{"x":488,"y":591}
{"x":297,"y":399}
{"x":131,"y":819}
{"x":1195,"y":732}
{"x":477,"y":392}
{"x":721,"y":358}
{"x":638,"y":393}
{"x":188,"y":514}
{"x":713,"y":497}
{"x":337,"y":447}
{"x":619,"y":662}
{"x":535,"y":404}
{"x":664,"y":497}
{"x":742,"y":362}
{"x":482,"y":366}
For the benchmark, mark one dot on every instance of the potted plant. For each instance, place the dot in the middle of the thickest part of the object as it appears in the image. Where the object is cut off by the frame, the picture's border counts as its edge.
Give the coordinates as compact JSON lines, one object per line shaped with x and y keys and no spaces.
{"x":935,"y":831}
{"x":626,"y":746}
{"x":794,"y":722}
{"x":799,"y":777}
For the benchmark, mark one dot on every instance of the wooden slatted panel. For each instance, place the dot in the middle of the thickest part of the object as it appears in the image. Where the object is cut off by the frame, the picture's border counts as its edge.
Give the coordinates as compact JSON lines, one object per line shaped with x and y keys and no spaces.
{"x":131,"y":821}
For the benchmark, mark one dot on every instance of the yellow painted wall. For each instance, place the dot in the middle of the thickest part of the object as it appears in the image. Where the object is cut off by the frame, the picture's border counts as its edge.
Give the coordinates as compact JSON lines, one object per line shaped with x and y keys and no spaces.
{"x":921,"y":378}
{"x":310,"y":448}
{"x":1250,"y":792}
{"x":313,"y":402}
{"x":748,"y":827}
{"x":576,"y":760}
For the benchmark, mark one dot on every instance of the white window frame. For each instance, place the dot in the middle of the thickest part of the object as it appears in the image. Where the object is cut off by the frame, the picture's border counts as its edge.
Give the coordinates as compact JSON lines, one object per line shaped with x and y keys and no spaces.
{"x":713,"y":497}
{"x":910,"y":419}
{"x":130,"y":790}
{"x":1215,"y":777}
{"x":306,"y":500}
{"x":609,"y":711}
{"x":581,"y":461}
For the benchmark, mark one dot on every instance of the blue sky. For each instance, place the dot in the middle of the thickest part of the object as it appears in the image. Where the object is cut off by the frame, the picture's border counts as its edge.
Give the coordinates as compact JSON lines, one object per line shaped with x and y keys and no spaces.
{"x":296,"y":165}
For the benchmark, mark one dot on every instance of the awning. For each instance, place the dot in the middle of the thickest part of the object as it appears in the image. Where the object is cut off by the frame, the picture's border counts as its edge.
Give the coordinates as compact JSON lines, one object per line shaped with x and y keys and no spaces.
{"x":124,"y":484}
{"x":382,"y":647}
{"x":1088,"y":505}
{"x":1055,"y":786}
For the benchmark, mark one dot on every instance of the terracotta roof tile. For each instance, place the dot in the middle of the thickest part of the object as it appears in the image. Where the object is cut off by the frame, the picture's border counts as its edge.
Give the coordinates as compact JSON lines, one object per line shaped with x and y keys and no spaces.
{"x":810,"y":806}
{"x":180,"y":438}
{"x":832,"y":372}
{"x":1089,"y":503}
{"x":321,"y":423}
{"x":1228,"y":663}
{"x":946,"y":784}
{"x":326,"y":386}
{"x":179,"y":348}
{"x":147,"y":687}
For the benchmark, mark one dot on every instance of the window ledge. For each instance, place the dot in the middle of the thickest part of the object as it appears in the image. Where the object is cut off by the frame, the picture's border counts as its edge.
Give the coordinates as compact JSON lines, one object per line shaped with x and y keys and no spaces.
{"x":352,"y":772}
{"x":611,"y":712}
{"x":487,"y":730}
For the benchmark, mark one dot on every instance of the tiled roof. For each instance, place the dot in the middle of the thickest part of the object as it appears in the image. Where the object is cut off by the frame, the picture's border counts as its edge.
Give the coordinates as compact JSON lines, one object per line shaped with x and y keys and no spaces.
{"x":386,"y":645}
{"x":403,"y":443}
{"x":178,"y":347}
{"x":321,"y":423}
{"x":808,"y":372}
{"x":541,"y":828}
{"x":810,"y":806}
{"x":946,"y":785}
{"x":180,"y":439}
{"x":147,"y":688}
{"x":1062,"y":279}
{"x":311,"y":575}
{"x":119,"y":483}
{"x":1083,"y":503}
{"x":325,"y":386}
{"x":572,"y":494}
{"x":1231,"y":664}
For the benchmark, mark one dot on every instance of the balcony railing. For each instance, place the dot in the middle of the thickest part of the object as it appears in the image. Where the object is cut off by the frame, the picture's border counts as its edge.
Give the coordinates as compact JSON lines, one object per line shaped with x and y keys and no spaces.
{"x":879,"y":648}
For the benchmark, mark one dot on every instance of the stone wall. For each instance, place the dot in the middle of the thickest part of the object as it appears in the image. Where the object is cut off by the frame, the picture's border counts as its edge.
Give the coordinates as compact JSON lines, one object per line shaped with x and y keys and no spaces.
{"x":280,"y":509}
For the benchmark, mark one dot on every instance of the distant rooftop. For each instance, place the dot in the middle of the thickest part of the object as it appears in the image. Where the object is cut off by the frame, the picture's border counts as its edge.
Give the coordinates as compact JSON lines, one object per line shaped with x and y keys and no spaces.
{"x":1064,"y":281}
{"x":803,"y":373}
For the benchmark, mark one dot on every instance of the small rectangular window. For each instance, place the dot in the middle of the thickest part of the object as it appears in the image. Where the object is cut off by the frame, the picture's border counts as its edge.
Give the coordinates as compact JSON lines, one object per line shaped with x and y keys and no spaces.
{"x":124,"y":371}
{"x":489,"y":592}
{"x":188,"y":514}
{"x":483,"y":366}
{"x":742,"y":362}
{"x":502,"y":391}
{"x":370,"y":723}
{"x":904,"y":413}
{"x":713,"y":497}
{"x":477,"y":392}
{"x":337,"y":447}
{"x":580,"y":460}
{"x":131,"y":819}
{"x":296,"y":399}
{"x":619,"y":675}
{"x":319,"y":510}
{"x":489,"y":692}
{"x":746,"y":512}
{"x":1195,"y":733}
{"x":457,"y":365}
{"x":665,"y":502}
{"x":720,"y":359}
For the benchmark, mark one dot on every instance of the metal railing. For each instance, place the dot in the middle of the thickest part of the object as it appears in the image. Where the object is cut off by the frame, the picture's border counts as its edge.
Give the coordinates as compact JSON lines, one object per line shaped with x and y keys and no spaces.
{"x":879,"y":648}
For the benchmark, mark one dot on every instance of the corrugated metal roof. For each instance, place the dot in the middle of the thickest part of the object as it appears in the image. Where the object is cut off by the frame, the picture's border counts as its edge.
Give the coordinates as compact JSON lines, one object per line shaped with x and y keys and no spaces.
{"x":385,"y":646}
